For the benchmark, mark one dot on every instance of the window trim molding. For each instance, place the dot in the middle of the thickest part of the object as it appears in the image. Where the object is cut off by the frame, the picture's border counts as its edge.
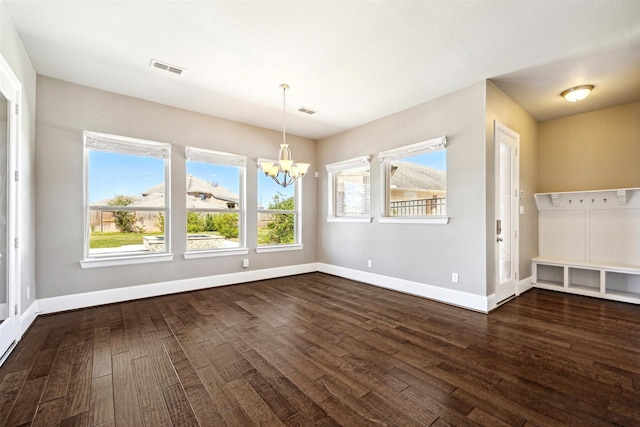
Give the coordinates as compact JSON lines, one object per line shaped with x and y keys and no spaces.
{"x":114,"y":261}
{"x":386,"y":157}
{"x":349,"y":219}
{"x":279,"y":248}
{"x":437,"y":219}
{"x":332,"y":170}
{"x":429,"y":145}
{"x":155,"y":149}
{"x":203,"y":155}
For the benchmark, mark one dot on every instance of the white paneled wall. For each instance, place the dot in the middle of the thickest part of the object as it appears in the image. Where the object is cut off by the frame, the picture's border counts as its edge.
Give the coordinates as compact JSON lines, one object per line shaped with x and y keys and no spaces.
{"x":596,"y":227}
{"x":589,"y":243}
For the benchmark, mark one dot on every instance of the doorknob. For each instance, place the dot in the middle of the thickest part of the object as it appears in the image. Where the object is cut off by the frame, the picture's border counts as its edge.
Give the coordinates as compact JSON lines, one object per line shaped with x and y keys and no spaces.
{"x":499,"y":239}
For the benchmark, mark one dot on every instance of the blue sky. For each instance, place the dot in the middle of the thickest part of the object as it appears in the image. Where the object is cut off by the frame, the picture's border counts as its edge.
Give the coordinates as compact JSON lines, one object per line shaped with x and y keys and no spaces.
{"x":112,"y":174}
{"x":437,"y":160}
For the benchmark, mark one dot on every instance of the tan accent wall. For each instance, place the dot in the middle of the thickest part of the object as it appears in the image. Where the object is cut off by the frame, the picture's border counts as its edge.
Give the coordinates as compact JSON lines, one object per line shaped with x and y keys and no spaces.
{"x":591,"y":151}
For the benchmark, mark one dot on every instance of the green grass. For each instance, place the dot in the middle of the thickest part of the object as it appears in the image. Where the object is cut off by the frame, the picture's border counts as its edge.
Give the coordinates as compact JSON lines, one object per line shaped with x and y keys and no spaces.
{"x":115,"y":240}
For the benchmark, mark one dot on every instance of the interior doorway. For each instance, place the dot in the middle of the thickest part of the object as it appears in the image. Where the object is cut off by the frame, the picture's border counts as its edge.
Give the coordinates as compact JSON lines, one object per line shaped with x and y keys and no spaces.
{"x":507,"y":196}
{"x":10,"y":90}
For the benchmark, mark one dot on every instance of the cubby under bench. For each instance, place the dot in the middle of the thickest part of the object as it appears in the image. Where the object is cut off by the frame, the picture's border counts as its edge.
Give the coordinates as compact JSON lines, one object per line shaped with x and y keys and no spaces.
{"x":614,"y":282}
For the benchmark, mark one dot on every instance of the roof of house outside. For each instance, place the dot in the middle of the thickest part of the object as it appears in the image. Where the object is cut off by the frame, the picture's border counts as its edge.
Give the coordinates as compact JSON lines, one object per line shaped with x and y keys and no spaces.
{"x":411,"y":175}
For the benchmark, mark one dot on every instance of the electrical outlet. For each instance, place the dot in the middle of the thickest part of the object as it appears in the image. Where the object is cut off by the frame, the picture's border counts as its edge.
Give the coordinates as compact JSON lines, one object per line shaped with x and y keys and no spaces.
{"x":369,"y":264}
{"x":245,"y":263}
{"x":454,"y":277}
{"x":28,"y":292}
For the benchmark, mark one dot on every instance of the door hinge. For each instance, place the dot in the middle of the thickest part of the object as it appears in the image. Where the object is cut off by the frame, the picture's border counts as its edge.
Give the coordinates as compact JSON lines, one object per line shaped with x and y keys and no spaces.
{"x":516,"y":275}
{"x":18,"y":109}
{"x":17,"y":176}
{"x":516,"y":234}
{"x":15,"y":310}
{"x":15,"y":243}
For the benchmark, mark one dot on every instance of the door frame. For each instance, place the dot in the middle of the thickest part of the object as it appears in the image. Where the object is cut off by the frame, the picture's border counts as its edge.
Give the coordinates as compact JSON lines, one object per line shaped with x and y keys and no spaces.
{"x":11,"y":88}
{"x":501,"y":130}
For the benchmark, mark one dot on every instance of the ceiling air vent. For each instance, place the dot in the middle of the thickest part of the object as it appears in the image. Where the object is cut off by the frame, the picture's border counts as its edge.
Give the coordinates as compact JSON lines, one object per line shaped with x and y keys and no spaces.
{"x":306,"y":110}
{"x":167,"y":67}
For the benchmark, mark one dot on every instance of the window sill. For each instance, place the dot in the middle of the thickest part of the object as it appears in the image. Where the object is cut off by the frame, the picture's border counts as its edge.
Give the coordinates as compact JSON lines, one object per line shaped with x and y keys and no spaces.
{"x":215,"y":253}
{"x":406,"y":220}
{"x":130,"y":260}
{"x":265,"y":249}
{"x":348,"y":219}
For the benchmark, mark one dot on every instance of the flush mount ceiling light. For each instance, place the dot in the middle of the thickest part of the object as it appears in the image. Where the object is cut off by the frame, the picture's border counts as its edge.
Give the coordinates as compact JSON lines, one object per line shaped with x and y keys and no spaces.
{"x":285,"y":172}
{"x":577,"y":93}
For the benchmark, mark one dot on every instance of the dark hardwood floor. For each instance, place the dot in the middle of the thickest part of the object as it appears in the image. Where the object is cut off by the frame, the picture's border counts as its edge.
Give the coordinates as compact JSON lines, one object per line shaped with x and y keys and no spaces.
{"x":319,"y":350}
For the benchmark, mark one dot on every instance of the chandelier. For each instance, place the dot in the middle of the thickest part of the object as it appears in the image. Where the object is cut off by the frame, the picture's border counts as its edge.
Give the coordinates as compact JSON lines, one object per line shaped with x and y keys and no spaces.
{"x":285,"y":172}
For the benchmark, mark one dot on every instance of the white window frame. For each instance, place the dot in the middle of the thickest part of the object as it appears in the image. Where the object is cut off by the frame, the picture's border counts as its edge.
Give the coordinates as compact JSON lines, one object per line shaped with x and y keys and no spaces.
{"x":386,"y":158}
{"x":297,"y":216}
{"x":125,"y":145}
{"x":333,"y":169}
{"x":225,"y":159}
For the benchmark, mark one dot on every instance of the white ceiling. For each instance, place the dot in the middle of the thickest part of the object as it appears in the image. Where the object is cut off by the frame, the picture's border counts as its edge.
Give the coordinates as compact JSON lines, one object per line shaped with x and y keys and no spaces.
{"x":352,"y":61}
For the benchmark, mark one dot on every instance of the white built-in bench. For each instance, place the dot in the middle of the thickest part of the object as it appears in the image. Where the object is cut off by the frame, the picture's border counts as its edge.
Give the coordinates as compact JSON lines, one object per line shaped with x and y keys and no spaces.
{"x":589,"y":243}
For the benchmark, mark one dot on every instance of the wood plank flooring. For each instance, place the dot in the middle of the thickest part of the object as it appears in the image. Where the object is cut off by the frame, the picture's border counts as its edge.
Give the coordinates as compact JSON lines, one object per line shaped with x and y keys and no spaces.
{"x":318,"y":350}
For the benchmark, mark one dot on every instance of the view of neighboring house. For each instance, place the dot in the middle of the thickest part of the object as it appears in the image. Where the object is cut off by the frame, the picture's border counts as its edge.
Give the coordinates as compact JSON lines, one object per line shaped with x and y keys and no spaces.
{"x":417,"y":189}
{"x":200,"y":195}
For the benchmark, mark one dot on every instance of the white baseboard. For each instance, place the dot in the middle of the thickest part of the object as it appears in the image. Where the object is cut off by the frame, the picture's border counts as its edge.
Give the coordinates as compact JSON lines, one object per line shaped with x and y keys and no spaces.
{"x":108,"y":296}
{"x":450,"y":296}
{"x":28,"y":316}
{"x":89,"y":299}
{"x":524,"y":285}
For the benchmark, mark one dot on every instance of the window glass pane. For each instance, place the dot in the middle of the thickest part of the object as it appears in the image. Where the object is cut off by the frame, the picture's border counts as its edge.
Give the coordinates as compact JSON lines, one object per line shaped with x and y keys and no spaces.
{"x":212,"y":186}
{"x":126,"y":232}
{"x":418,"y":185}
{"x":212,"y":230}
{"x":276,"y":229}
{"x":121,"y":180}
{"x":352,"y":192}
{"x":271,"y":194}
{"x":133,"y":182}
{"x":216,"y":188}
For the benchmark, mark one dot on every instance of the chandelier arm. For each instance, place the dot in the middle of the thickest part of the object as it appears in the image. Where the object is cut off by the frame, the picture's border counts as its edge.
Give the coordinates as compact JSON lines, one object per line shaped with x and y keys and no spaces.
{"x":285,"y":163}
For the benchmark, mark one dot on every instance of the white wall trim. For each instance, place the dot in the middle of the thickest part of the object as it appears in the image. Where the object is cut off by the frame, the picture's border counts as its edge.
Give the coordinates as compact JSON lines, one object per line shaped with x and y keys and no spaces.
{"x":524,"y":285}
{"x":108,"y":296}
{"x":28,"y":317}
{"x":492,"y":302}
{"x":449,"y":296}
{"x":474,"y":302}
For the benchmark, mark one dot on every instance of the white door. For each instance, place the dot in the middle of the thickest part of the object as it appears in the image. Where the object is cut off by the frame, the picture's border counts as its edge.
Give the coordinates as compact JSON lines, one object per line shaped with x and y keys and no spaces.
{"x":9,"y":92}
{"x":506,"y":226}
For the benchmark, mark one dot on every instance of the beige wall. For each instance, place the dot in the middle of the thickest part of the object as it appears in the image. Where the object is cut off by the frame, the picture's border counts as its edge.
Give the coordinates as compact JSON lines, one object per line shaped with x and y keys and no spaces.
{"x":591,"y":151}
{"x":64,"y":110}
{"x":504,"y":110}
{"x":423,"y":253}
